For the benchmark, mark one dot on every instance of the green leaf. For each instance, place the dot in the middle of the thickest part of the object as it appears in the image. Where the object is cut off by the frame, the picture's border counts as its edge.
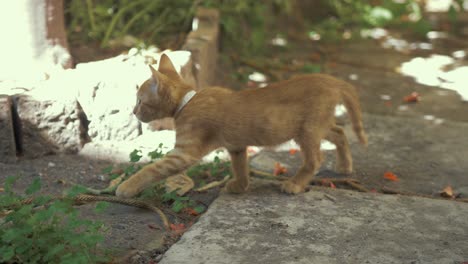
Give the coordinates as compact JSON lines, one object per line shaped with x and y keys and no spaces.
{"x":177,"y":206}
{"x":75,"y":190}
{"x":34,"y":186}
{"x":378,"y":16}
{"x":9,"y":181}
{"x":199,"y":209}
{"x":101,"y":207}
{"x":170,"y":196}
{"x":7,"y":253}
{"x":107,"y":170}
{"x":311,"y":68}
{"x":135,"y":156}
{"x":53,"y":251}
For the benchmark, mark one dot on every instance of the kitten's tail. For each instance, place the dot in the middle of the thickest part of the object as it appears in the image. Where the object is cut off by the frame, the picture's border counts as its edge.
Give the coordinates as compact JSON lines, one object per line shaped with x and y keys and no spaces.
{"x":351,"y":102}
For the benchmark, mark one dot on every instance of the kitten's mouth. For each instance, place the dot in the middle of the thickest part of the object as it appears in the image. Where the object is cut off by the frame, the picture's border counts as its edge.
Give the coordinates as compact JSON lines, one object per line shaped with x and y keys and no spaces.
{"x":142,"y":119}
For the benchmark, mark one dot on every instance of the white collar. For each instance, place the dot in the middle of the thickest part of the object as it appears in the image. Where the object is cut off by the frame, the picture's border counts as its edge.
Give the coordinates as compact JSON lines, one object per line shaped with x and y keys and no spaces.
{"x":187,"y":97}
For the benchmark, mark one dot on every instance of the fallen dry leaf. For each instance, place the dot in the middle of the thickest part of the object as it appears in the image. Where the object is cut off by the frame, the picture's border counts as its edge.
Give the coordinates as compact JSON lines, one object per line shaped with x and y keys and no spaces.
{"x":190,"y":211}
{"x":447,"y":192}
{"x":390,"y":176}
{"x":2,"y":189}
{"x":177,"y":228}
{"x":279,"y":169}
{"x":292,"y":151}
{"x":412,"y":98}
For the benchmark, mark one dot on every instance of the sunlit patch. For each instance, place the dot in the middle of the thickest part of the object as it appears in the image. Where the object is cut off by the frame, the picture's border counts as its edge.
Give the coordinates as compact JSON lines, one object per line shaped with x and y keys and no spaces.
{"x":438,"y":5}
{"x":327,"y":145}
{"x":429,"y":117}
{"x":279,"y":41}
{"x":340,"y":110}
{"x":375,"y":33}
{"x":347,"y":34}
{"x":385,"y":97}
{"x":353,"y":77}
{"x":403,"y":108}
{"x":195,"y":24}
{"x":257,"y":77}
{"x":397,"y":44}
{"x":426,"y":70}
{"x":430,"y":71}
{"x":432,"y":35}
{"x":314,"y":36}
{"x":459,"y":54}
{"x":457,"y":80}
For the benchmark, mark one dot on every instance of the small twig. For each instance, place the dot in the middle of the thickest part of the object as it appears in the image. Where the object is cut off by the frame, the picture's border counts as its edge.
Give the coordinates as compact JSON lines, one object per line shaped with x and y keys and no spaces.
{"x":334,"y":180}
{"x":212,"y":184}
{"x":266,"y":175}
{"x":110,"y":189}
{"x":329,"y":197}
{"x":353,"y":183}
{"x":386,"y":190}
{"x":357,"y":186}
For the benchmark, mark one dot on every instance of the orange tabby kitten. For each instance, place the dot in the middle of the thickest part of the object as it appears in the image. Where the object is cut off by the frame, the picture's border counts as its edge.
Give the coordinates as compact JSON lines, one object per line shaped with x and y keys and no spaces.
{"x":301,"y":109}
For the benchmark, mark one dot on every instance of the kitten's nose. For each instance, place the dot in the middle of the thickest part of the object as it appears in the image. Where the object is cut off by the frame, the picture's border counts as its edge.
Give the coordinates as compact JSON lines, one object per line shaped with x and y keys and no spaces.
{"x":134,"y":110}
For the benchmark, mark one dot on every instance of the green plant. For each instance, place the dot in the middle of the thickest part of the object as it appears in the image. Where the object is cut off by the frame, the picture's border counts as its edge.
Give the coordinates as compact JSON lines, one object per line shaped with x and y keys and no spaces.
{"x":217,"y":168}
{"x":151,"y":20}
{"x":362,"y":14}
{"x":47,"y":230}
{"x":178,"y":203}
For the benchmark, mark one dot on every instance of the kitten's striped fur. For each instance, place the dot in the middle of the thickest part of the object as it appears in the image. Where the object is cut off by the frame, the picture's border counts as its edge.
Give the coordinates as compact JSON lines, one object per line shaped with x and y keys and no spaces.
{"x":301,"y":108}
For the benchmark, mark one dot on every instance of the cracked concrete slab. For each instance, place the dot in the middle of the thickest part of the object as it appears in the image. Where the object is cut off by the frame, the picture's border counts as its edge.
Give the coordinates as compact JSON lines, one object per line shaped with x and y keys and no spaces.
{"x":325,"y":226}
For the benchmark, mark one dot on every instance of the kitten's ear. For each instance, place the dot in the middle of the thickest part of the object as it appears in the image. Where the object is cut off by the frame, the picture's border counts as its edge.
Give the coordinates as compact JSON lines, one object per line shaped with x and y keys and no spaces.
{"x":156,"y":76}
{"x":166,"y":67}
{"x":154,"y":72}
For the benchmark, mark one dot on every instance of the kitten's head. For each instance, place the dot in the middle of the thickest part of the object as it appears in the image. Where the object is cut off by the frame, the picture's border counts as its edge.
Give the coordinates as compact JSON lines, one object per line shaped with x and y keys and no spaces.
{"x":159,"y":96}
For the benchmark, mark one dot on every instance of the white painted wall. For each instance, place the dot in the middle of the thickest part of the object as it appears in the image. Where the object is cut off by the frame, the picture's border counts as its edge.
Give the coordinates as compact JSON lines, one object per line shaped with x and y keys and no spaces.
{"x":25,"y":52}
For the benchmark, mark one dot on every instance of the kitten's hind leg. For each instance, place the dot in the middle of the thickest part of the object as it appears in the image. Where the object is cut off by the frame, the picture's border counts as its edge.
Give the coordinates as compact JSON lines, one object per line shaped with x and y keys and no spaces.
{"x":344,"y":162}
{"x":240,"y":169}
{"x":310,"y":149}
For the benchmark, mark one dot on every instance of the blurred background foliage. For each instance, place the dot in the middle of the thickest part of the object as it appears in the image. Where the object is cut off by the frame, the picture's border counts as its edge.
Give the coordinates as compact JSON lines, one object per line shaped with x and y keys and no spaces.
{"x":246,"y":25}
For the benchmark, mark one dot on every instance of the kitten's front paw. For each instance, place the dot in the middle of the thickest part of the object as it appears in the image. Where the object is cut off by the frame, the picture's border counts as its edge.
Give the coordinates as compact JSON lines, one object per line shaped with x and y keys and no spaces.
{"x":291,"y":187}
{"x":127,"y":190}
{"x":234,"y":186}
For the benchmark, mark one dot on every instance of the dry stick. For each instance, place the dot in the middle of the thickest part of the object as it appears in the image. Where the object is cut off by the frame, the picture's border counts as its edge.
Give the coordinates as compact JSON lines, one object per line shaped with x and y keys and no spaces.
{"x":353,"y":183}
{"x":110,"y":189}
{"x":357,"y":186}
{"x":212,"y":184}
{"x":266,"y":175}
{"x":392,"y":191}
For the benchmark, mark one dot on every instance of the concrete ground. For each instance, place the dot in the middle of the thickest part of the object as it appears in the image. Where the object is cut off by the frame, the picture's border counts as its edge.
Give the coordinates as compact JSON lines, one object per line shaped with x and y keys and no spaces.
{"x":325,"y":226}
